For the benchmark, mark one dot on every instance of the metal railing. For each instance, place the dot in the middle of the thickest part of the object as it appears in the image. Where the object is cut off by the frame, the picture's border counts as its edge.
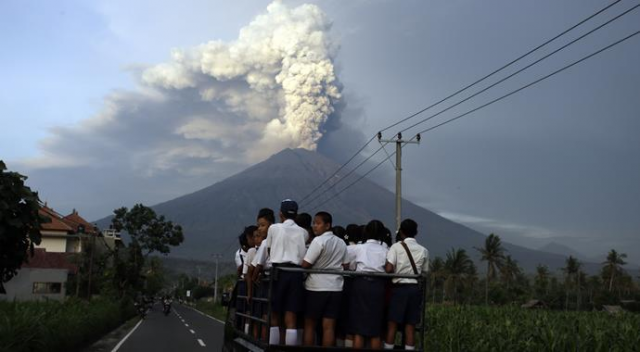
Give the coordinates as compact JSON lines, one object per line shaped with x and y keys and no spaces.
{"x":265,"y":300}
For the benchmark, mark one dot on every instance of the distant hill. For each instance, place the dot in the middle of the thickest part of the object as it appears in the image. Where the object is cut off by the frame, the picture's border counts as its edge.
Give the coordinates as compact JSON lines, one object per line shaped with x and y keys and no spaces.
{"x":558,"y":248}
{"x":214,"y":216}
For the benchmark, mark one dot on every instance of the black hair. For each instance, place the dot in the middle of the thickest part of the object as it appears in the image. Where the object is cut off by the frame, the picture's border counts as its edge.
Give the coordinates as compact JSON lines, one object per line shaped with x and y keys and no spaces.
{"x":289,"y":216}
{"x":304,"y":220}
{"x":326,"y":217}
{"x":374,"y":230}
{"x":361,"y":237}
{"x":340,"y":232}
{"x":353,"y":233}
{"x":409,"y":228}
{"x":243,"y":240}
{"x":267,"y":214}
{"x":387,"y":237}
{"x":249,"y":230}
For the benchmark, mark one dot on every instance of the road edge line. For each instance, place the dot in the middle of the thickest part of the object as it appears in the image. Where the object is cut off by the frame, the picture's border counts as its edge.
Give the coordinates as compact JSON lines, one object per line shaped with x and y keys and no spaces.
{"x":126,"y":337}
{"x":205,"y":314}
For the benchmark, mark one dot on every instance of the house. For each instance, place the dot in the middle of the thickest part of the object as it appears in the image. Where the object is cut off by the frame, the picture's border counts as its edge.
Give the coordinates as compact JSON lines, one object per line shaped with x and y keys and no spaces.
{"x":44,"y":276}
{"x":55,"y":233}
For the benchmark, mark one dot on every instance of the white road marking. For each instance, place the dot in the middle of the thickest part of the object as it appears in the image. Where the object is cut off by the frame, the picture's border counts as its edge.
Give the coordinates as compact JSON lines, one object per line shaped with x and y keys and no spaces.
{"x":193,"y":332}
{"x":206,"y":315}
{"x":201,"y":343}
{"x":187,"y":325}
{"x":126,"y":337}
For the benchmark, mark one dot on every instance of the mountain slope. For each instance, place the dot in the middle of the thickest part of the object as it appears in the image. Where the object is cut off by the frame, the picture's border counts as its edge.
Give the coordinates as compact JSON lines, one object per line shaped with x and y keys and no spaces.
{"x":214,"y":216}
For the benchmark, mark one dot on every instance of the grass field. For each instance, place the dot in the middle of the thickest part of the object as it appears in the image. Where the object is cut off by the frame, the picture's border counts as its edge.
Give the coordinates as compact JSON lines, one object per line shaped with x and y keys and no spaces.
{"x":58,"y":326}
{"x":476,"y":328}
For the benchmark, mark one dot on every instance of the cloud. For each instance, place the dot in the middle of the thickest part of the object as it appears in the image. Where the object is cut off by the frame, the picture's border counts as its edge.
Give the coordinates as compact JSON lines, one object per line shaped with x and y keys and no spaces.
{"x":499,"y":226}
{"x":215,"y":104}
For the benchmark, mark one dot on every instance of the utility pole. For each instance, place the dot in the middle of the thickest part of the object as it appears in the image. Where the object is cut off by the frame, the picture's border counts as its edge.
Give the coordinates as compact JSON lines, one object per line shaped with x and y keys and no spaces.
{"x":399,"y":144}
{"x":215,"y":286}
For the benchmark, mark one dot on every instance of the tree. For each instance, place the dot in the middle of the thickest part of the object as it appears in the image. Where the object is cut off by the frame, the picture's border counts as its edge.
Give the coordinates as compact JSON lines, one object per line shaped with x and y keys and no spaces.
{"x":436,"y":275}
{"x":493,"y":254}
{"x":613,"y":266}
{"x":459,"y":268}
{"x":19,"y":223}
{"x":148,"y":232}
{"x":509,"y":271}
{"x":542,"y":280}
{"x":572,"y":277}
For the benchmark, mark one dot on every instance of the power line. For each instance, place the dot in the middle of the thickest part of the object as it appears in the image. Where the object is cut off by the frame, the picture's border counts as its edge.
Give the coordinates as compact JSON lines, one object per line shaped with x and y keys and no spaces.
{"x":340,"y":168}
{"x":353,"y":183}
{"x":456,"y":93}
{"x":485,"y":105}
{"x":503,"y":67}
{"x":348,"y":174}
{"x":522,"y":69}
{"x":533,"y":83}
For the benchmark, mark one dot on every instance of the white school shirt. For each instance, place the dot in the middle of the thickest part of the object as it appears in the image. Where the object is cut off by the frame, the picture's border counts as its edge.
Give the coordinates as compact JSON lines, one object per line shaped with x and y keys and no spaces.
{"x":286,"y":243}
{"x":402,"y":265}
{"x":326,"y":252}
{"x":251,"y":253}
{"x":241,"y":257}
{"x":262,"y":258}
{"x":370,"y":256}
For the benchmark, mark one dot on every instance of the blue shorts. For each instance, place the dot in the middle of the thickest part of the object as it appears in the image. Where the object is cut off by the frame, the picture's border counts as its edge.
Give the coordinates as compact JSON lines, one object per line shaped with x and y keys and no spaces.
{"x":366,"y":307}
{"x":323,"y":304}
{"x":404,"y":307}
{"x":288,"y":292}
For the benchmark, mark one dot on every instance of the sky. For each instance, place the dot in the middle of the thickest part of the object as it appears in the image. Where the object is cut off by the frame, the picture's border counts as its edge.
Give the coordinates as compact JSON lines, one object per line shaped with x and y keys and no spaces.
{"x":110,"y":103}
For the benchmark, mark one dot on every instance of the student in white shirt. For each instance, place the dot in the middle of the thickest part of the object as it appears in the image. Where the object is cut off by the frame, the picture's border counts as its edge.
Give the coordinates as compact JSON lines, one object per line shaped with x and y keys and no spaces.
{"x":404,"y":307}
{"x":261,"y":264}
{"x":286,"y":247}
{"x":246,"y":241}
{"x":353,"y":235}
{"x":367,"y":296}
{"x":323,"y":291}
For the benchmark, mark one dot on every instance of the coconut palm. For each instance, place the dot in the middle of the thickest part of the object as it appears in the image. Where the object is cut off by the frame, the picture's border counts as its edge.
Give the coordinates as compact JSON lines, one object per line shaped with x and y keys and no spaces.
{"x":572,"y":276}
{"x":509,"y":270}
{"x":613,"y":265}
{"x":459,"y":267}
{"x":436,"y":274}
{"x":542,"y":279}
{"x":493,"y":254}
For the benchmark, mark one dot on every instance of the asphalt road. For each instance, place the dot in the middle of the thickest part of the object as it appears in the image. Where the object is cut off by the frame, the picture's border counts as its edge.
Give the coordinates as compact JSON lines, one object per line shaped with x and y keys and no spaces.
{"x":183,"y":330}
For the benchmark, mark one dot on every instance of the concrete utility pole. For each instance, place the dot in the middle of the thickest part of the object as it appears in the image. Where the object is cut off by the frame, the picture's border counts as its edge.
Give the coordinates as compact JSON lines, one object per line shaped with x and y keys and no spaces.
{"x":399,"y":144}
{"x":215,"y":286}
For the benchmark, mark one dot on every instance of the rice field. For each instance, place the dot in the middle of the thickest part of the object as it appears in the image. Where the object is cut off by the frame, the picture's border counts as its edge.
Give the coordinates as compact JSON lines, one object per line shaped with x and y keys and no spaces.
{"x":475,"y":328}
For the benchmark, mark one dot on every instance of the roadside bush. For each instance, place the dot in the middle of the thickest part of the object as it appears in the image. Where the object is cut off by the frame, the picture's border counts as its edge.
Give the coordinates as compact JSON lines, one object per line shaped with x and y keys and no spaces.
{"x":58,"y":326}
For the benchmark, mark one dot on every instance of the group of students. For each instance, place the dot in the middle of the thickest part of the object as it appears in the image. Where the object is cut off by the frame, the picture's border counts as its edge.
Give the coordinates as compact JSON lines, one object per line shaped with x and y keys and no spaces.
{"x":358,"y":311}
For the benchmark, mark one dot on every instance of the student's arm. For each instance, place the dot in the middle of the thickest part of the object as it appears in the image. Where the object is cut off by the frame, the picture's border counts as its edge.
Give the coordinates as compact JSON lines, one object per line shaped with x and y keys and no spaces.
{"x":425,"y":265}
{"x":249,"y":280}
{"x":391,"y":260}
{"x":345,"y":259}
{"x":312,"y":254}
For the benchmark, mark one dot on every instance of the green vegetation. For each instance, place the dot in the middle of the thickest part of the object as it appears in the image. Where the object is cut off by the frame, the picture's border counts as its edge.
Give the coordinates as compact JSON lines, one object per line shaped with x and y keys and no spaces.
{"x":19,"y":223}
{"x":58,"y":326}
{"x":215,"y":310}
{"x":474,"y":328}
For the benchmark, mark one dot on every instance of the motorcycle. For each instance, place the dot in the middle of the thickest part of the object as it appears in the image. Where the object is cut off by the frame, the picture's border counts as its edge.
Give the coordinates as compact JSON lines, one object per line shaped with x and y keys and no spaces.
{"x":166,"y":307}
{"x":142,"y":310}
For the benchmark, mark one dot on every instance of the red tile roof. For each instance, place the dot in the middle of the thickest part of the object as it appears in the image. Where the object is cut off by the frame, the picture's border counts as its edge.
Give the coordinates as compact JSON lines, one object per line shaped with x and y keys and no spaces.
{"x":56,"y":224}
{"x":75,"y":221}
{"x":44,"y":260}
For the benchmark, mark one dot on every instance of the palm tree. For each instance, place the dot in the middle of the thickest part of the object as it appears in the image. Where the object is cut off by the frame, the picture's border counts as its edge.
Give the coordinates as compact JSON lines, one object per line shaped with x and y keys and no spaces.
{"x":459,"y":267}
{"x":509,"y":270}
{"x":436,"y":274}
{"x":613,"y":265}
{"x":571,"y":270}
{"x":542,"y":279}
{"x":493,"y":254}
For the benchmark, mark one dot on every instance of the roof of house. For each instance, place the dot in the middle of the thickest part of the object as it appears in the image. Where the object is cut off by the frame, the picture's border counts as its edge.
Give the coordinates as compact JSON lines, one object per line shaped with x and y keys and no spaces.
{"x":77,"y":222}
{"x":42,"y":259}
{"x":56,"y":223}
